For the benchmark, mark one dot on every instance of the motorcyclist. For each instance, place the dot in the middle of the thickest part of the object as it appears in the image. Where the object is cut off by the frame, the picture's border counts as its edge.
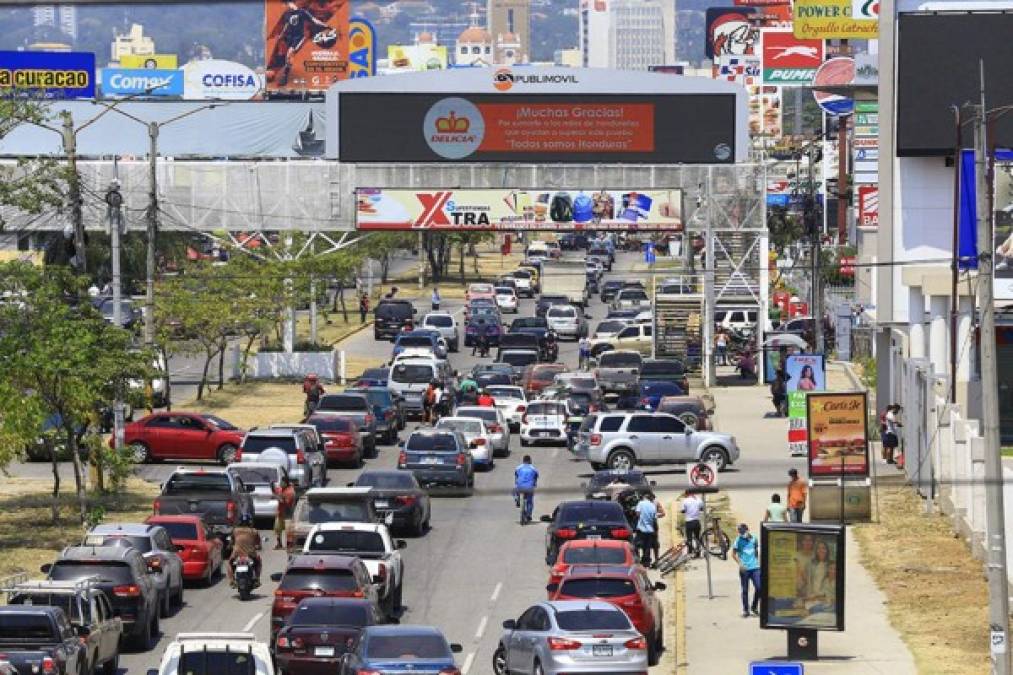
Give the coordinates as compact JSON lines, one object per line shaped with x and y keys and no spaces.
{"x":245,"y":543}
{"x":429,"y":401}
{"x":314,"y":390}
{"x":525,"y":482}
{"x":584,"y":351}
{"x":466,"y":388}
{"x":551,"y":347}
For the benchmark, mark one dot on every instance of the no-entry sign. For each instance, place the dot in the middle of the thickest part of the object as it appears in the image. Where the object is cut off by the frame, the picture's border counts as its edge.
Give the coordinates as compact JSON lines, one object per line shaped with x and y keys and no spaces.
{"x":702,"y":475}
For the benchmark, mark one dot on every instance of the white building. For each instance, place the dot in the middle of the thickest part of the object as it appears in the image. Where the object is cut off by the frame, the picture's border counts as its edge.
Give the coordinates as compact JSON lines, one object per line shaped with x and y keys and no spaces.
{"x":474,"y":47}
{"x":63,"y":17}
{"x":627,"y":34}
{"x":134,"y":42}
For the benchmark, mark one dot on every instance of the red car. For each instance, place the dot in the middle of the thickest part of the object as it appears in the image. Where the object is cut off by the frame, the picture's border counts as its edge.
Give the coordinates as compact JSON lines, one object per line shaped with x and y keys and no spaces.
{"x":183,"y":435}
{"x":591,"y":552}
{"x":481,"y":291}
{"x":200,"y":550}
{"x":626,"y":587}
{"x":320,"y":631}
{"x":342,"y":442}
{"x":538,"y":376}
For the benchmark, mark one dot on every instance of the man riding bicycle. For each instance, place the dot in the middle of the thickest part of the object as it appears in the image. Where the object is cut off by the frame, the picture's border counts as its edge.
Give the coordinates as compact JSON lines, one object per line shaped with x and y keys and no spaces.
{"x":525,"y":482}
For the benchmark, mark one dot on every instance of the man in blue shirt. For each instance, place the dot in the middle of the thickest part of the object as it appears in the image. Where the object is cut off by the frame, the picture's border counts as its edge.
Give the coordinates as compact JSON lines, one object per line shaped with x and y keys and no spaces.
{"x":745,"y":551}
{"x":647,"y":527}
{"x":525,"y":482}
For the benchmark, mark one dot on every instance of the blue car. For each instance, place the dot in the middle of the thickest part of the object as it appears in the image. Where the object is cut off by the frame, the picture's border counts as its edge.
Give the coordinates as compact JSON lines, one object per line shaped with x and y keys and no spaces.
{"x":652,"y":391}
{"x":373,"y":377}
{"x":425,"y":339}
{"x":401,"y":649}
{"x":387,"y":410}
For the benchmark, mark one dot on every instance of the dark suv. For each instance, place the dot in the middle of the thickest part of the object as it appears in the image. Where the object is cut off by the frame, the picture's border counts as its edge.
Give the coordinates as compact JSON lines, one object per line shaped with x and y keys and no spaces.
{"x":390,"y":316}
{"x":123,"y":575}
{"x":438,"y":459}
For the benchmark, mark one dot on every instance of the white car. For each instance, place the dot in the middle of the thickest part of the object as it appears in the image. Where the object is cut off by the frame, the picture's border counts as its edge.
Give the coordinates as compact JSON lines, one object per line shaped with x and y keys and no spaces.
{"x":566,"y":320}
{"x":506,"y":299}
{"x":545,"y":422}
{"x":478,"y":437}
{"x":445,"y":324}
{"x":510,"y":401}
{"x":373,"y":544}
{"x":228,"y":652}
{"x":495,"y":423}
{"x":522,"y":280}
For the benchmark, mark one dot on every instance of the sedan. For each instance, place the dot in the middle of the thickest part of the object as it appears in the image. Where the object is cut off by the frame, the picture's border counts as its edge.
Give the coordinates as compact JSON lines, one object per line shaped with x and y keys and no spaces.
{"x":506,"y":299}
{"x":400,"y":649}
{"x":398,"y":495}
{"x":342,"y":441}
{"x":478,"y":437}
{"x":477,"y":291}
{"x":320,"y":631}
{"x":570,"y":636}
{"x":584,"y":520}
{"x":182,"y":435}
{"x":200,"y":551}
{"x":499,"y":431}
{"x":510,"y":401}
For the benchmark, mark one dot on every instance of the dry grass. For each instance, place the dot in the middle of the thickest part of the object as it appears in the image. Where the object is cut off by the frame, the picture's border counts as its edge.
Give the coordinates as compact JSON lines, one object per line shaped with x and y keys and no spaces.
{"x":331,"y":327}
{"x":936,"y":592}
{"x":28,"y":537}
{"x":254,"y":404}
{"x":490,"y":266}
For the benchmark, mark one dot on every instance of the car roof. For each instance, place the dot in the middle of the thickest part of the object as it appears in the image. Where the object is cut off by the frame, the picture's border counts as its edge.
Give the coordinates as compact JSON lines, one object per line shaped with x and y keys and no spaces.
{"x":394,"y":630}
{"x":580,"y":605}
{"x":272,"y":432}
{"x":29,"y":609}
{"x":317,"y":561}
{"x":110,"y":553}
{"x":336,"y":491}
{"x":130,"y":529}
{"x":594,"y":571}
{"x":358,"y":527}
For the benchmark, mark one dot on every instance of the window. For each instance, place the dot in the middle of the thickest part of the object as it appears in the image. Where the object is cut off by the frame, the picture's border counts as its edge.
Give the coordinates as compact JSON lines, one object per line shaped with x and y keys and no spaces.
{"x":25,"y":627}
{"x":431,"y":443}
{"x":595,"y":555}
{"x":476,"y":50}
{"x":464,"y":50}
{"x":181,"y":530}
{"x":328,"y":581}
{"x":598,"y":588}
{"x":404,"y":647}
{"x":343,"y":402}
{"x":611,"y":423}
{"x":111,"y":572}
{"x":197,"y":482}
{"x":528,"y":620}
{"x":314,"y":614}
{"x":207,"y":662}
{"x":629,"y":332}
{"x":325,"y":423}
{"x":593,"y":620}
{"x":440,"y":321}
{"x":347,"y":540}
{"x":648,"y":331}
{"x":397,"y":480}
{"x":257,"y":444}
{"x":640,"y":424}
{"x":663,"y":424}
{"x":160,"y":422}
{"x":325,"y":512}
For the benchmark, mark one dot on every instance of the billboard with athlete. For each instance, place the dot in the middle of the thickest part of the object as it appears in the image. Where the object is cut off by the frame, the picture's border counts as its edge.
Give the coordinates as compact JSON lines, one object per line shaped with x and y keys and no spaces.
{"x":306,"y":44}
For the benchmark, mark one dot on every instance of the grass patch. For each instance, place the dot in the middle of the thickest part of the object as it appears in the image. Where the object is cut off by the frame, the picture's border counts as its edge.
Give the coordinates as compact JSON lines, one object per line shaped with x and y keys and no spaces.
{"x":254,"y":404}
{"x":936,"y":592}
{"x":331,"y":327}
{"x":28,"y":537}
{"x":1007,"y":451}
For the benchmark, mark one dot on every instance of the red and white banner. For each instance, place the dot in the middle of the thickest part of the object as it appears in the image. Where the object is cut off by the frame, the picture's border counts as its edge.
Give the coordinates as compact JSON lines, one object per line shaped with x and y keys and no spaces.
{"x":787,"y":60}
{"x":868,"y":206}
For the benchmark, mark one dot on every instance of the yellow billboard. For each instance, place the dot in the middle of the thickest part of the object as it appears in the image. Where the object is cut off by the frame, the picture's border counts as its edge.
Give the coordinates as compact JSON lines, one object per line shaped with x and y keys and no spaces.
{"x":151,"y":61}
{"x":417,"y":57}
{"x":830,"y":19}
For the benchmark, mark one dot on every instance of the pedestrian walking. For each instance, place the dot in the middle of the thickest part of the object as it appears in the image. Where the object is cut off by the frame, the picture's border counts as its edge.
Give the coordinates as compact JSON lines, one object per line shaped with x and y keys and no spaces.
{"x":776,"y":511}
{"x":692,"y":507}
{"x":285,"y":494}
{"x":721,"y":344}
{"x":797,"y":493}
{"x":363,"y":307}
{"x":436,"y":298}
{"x":584,"y":352}
{"x":889,"y":432}
{"x":647,"y":527}
{"x":745,"y":551}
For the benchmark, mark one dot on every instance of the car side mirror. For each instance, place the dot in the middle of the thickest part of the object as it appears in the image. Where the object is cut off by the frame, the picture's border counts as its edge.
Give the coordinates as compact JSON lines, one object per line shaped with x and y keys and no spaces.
{"x":546,"y":519}
{"x":688,"y":430}
{"x":276,"y":576}
{"x":456,"y":648}
{"x":45,"y":568}
{"x":509,"y":624}
{"x":552,"y":588}
{"x":659,"y":586}
{"x":401,"y":543}
{"x":377,"y":579}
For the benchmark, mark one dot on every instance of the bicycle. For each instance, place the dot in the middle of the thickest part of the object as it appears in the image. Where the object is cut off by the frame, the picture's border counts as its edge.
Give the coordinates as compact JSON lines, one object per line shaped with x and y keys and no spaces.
{"x":673,"y":559}
{"x":526,"y":500}
{"x":715,"y":541}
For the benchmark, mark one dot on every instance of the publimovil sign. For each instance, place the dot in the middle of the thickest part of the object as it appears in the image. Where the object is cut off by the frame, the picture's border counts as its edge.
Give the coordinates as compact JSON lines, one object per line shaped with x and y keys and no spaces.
{"x":215,"y":79}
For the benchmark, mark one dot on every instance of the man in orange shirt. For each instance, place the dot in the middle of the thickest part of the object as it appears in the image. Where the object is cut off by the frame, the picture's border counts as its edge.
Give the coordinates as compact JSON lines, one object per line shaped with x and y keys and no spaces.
{"x":797,"y":492}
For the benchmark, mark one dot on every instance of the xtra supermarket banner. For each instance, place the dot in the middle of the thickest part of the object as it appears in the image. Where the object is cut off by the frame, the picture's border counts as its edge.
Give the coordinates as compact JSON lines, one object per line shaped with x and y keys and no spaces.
{"x":515,"y":209}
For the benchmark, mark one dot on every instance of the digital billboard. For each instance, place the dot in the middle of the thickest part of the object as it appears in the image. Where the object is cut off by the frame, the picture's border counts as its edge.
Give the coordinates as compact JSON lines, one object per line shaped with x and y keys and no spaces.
{"x":635,"y":128}
{"x":56,"y":75}
{"x":306,"y":44}
{"x":930,"y":80}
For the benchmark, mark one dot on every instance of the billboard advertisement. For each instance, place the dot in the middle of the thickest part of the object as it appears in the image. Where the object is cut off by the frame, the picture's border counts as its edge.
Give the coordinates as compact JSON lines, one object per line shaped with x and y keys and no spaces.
{"x":306,"y":43}
{"x":729,"y":32}
{"x":787,"y":60}
{"x":806,"y":373}
{"x":118,"y":82}
{"x":802,"y":576}
{"x":150,"y":61}
{"x":868,"y":206}
{"x":220,"y":80}
{"x":929,"y":81}
{"x":831,"y":19}
{"x":837,"y":71}
{"x":837,"y":434}
{"x":513,"y":209}
{"x":417,"y":57}
{"x":54,"y":75}
{"x":361,"y":48}
{"x":558,"y":128}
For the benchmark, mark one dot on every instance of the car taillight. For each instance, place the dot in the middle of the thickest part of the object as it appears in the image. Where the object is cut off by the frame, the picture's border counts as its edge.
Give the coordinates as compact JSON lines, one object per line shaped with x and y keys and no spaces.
{"x":461,"y":459}
{"x":294,"y":643}
{"x":127,"y":591}
{"x":495,"y":428}
{"x":479,"y":441}
{"x":239,"y":455}
{"x":645,"y":401}
{"x":524,"y":418}
{"x":48,"y":665}
{"x":636,"y":643}
{"x":154,"y":563}
{"x":557,"y":644}
{"x":402,"y":458}
{"x":156,"y":506}
{"x":369,"y":419}
{"x":198,"y":553}
{"x":566,"y":533}
{"x":521,"y":408}
{"x":450,"y":671}
{"x":230,"y":511}
{"x":595,"y":439}
{"x":300,"y":457}
{"x":367,"y":671}
{"x":358,"y":594}
{"x":619,"y":533}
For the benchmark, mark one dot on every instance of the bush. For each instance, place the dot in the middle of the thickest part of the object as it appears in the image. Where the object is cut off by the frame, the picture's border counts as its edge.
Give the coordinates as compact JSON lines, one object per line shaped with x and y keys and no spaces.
{"x":302,"y":346}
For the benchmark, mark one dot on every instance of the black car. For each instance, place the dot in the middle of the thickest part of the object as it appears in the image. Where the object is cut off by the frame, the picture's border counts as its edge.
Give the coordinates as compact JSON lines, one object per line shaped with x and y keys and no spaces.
{"x":546,"y":301}
{"x":122,"y":574}
{"x":609,"y":290}
{"x":584,"y":520}
{"x":389,"y":318}
{"x":605,"y":483}
{"x":665,"y":370}
{"x":398,"y":494}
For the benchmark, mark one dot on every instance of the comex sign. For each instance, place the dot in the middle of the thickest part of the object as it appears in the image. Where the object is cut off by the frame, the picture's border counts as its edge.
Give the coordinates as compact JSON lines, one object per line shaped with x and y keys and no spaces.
{"x":215,"y":79}
{"x":131,"y":81}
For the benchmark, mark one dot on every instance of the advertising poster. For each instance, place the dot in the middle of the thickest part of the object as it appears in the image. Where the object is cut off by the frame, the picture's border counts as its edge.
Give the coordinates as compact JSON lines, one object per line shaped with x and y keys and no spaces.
{"x":51,"y":75}
{"x":770,"y":105}
{"x":118,"y":82}
{"x":868,"y":206}
{"x":406,"y":58}
{"x":806,"y":372}
{"x":802,"y":576}
{"x":214,"y":79}
{"x":730,"y":33}
{"x":744,"y":70}
{"x":1003,"y":201}
{"x":831,"y":19}
{"x":506,"y":209}
{"x":361,"y":48}
{"x":787,"y":60}
{"x":837,"y":431}
{"x":306,"y":43}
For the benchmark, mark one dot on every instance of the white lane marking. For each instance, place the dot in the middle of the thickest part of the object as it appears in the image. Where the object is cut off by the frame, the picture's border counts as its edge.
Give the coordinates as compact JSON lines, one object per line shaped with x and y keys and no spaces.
{"x":481,"y":627}
{"x":496,"y":591}
{"x":468,"y":661}
{"x":252,"y":622}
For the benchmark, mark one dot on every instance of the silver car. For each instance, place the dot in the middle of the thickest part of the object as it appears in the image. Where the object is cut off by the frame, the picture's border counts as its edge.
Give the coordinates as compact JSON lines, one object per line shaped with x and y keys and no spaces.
{"x":499,"y":429}
{"x":567,"y":636}
{"x":567,"y":321}
{"x":262,"y":477}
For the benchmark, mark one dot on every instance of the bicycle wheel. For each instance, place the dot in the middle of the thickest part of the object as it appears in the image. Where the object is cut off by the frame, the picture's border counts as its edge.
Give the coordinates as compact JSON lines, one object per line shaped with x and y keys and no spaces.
{"x":716,"y":543}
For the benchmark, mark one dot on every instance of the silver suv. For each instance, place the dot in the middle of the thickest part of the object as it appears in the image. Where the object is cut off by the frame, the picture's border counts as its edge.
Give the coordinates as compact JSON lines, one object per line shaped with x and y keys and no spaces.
{"x":295,"y":449}
{"x":445,"y":324}
{"x":624,"y":440}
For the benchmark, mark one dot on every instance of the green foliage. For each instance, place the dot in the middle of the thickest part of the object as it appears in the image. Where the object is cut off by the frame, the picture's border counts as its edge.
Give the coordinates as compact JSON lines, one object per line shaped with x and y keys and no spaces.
{"x":31,"y":185}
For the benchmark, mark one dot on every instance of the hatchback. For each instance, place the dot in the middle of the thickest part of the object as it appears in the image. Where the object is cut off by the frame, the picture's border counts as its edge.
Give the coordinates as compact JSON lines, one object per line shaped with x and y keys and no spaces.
{"x":478,"y":437}
{"x":199,"y":549}
{"x":438,"y":459}
{"x":342,"y":441}
{"x":545,"y":422}
{"x":584,"y":520}
{"x":495,"y":423}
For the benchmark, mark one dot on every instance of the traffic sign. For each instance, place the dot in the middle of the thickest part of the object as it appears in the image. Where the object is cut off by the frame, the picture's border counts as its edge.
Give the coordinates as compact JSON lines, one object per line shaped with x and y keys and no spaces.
{"x":702,"y":475}
{"x":775,"y":668}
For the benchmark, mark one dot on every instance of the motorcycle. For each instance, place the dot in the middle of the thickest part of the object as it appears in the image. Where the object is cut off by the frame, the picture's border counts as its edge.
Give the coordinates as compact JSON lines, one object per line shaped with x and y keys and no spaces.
{"x":244,"y":573}
{"x":551,"y":350}
{"x":483,"y":346}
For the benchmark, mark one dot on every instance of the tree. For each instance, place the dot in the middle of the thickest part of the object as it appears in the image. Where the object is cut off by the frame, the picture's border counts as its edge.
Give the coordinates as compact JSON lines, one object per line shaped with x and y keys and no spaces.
{"x":31,"y":185}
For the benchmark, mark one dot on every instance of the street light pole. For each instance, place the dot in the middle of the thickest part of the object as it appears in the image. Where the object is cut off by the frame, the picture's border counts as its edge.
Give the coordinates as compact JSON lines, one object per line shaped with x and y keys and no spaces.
{"x":149,"y":286}
{"x":114,"y":200}
{"x":69,"y":137}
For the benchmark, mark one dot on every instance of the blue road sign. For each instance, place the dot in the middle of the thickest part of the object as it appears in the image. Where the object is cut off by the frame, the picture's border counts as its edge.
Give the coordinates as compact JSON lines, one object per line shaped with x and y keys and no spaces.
{"x":776,"y":668}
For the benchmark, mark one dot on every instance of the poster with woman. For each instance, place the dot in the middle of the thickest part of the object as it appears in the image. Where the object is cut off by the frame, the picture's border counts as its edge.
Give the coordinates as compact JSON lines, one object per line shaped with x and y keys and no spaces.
{"x":802,"y":576}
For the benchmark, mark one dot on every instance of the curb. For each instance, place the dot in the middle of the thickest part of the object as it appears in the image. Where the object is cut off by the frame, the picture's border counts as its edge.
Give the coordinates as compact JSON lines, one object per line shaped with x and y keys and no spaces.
{"x":681,"y":664}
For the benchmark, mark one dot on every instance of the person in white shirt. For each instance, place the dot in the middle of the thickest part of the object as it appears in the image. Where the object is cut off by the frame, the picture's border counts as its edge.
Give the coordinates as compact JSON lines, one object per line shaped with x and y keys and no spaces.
{"x":692,"y":507}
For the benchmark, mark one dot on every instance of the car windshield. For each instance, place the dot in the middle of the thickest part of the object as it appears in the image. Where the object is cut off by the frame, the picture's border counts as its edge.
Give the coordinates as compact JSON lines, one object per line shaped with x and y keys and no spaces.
{"x":539,"y":408}
{"x":603,"y":478}
{"x":393,"y":311}
{"x":65,"y":601}
{"x":580,"y":383}
{"x":610,"y":326}
{"x":412,"y":374}
{"x":256,"y":475}
{"x":108,"y":571}
{"x":519,"y":358}
{"x":505,"y":392}
{"x":344,"y":402}
{"x":414,"y":341}
{"x":431,"y":443}
{"x":662,"y":367}
{"x":480,"y":288}
{"x":594,"y":555}
{"x":528,"y":322}
{"x":504,"y":290}
{"x":593,"y":619}
{"x":317,"y":512}
{"x":632,"y":294}
{"x":597,"y":588}
{"x":346,"y":540}
{"x":386,"y":480}
{"x":375,"y":374}
{"x":333,"y":424}
{"x":553,"y":299}
{"x":619,"y":360}
{"x":487,"y":378}
{"x":256,"y":444}
{"x":439,"y":321}
{"x":522,"y":274}
{"x":487,"y":414}
{"x":328,"y":581}
{"x":544,"y":374}
{"x":406,"y":647}
{"x":141,"y":543}
{"x":559,"y":312}
{"x":25,"y":627}
{"x":213,"y":662}
{"x":220,"y":423}
{"x":659,"y":389}
{"x":176,"y":531}
{"x":197,"y":482}
{"x":592,"y":512}
{"x":469,"y":427}
{"x":311,"y":613}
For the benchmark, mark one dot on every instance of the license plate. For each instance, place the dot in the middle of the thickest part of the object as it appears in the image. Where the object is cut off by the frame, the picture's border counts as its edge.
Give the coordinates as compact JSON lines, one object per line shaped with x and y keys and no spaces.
{"x":430,"y":460}
{"x":601,"y":650}
{"x":594,"y":537}
{"x":414,"y":395}
{"x":329,"y":651}
{"x":242,"y":568}
{"x":381,"y":504}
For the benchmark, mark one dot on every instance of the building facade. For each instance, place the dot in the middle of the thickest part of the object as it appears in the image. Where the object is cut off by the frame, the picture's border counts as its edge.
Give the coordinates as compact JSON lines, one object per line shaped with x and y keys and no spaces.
{"x":627,"y":34}
{"x":513,"y":18}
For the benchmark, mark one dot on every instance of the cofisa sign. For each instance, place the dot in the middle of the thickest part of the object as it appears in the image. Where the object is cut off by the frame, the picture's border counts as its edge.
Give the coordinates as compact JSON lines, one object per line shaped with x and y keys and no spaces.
{"x":220,"y":80}
{"x":117,"y":82}
{"x":52,"y":75}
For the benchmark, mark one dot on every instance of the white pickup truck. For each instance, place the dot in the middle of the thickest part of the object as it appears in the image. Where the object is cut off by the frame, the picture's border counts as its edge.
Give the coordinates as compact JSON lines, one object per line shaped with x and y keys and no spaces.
{"x":371,"y":543}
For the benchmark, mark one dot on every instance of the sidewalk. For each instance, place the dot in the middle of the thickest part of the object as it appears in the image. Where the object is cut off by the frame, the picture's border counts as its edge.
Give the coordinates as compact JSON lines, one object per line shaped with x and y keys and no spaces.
{"x":718,"y":639}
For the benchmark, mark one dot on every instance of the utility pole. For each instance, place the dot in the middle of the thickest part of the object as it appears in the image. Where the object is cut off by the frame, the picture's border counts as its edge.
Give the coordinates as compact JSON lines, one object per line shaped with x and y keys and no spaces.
{"x":69,"y":137}
{"x":995,"y":547}
{"x":422,"y":261}
{"x":149,"y":286}
{"x":816,"y":287}
{"x":842,"y":179}
{"x":114,"y":200}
